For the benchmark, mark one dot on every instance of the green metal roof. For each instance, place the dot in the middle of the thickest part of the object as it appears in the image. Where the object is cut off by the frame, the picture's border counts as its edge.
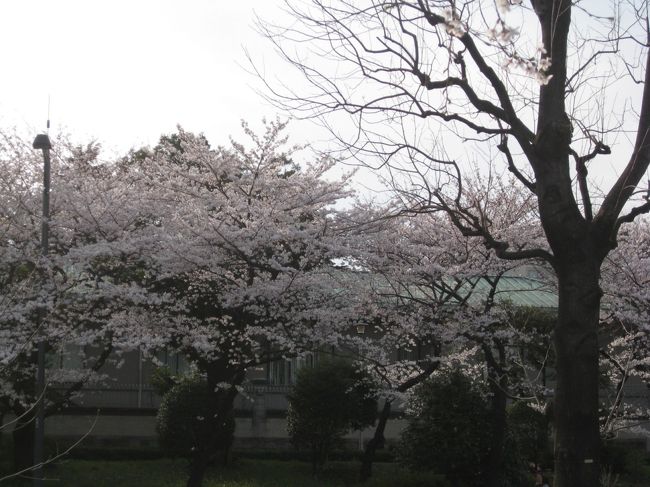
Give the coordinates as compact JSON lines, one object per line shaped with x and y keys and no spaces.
{"x":519,"y":291}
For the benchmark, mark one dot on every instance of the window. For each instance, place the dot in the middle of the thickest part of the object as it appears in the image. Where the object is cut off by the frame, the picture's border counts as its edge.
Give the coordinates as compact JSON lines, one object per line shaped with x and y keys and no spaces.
{"x":283,"y":372}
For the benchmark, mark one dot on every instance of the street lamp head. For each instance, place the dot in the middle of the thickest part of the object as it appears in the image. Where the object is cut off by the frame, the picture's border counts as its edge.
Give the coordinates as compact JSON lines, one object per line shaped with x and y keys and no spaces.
{"x":42,"y":141}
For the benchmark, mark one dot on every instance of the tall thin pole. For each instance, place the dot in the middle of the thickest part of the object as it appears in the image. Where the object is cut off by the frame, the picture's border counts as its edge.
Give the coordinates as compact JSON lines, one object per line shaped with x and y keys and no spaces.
{"x":42,"y":141}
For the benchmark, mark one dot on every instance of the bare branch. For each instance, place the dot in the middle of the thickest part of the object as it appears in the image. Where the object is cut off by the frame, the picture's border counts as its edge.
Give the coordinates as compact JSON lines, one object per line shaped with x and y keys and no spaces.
{"x":618,"y":196}
{"x":524,"y":135}
{"x":503,"y":147}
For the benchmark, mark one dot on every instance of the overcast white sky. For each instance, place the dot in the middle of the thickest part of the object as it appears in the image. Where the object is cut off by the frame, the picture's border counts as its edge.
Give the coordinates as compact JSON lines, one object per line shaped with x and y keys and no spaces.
{"x":125,"y":71}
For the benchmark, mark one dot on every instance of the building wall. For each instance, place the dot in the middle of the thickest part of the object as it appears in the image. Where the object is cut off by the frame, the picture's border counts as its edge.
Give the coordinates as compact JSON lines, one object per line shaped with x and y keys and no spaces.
{"x":125,"y":430}
{"x":128,"y":404}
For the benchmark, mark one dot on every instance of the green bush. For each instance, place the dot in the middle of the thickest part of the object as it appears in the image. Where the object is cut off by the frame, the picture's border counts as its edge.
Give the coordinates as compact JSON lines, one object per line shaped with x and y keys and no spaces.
{"x":449,"y":429}
{"x":528,"y":431}
{"x":326,"y":402}
{"x":527,"y":442}
{"x":624,"y":458}
{"x":162,"y":380}
{"x":181,"y":420}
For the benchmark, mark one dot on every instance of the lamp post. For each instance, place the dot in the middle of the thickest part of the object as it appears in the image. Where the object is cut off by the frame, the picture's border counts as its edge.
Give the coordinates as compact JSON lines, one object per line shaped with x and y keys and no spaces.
{"x":42,"y":141}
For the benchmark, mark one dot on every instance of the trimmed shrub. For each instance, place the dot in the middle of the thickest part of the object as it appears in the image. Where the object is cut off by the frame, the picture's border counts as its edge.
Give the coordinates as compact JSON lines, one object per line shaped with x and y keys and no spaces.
{"x":528,"y":432}
{"x":181,"y":419}
{"x":448,"y":429}
{"x":326,"y":402}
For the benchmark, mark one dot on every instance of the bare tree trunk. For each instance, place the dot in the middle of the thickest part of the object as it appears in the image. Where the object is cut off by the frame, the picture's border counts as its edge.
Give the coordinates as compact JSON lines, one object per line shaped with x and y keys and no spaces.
{"x":577,"y":437}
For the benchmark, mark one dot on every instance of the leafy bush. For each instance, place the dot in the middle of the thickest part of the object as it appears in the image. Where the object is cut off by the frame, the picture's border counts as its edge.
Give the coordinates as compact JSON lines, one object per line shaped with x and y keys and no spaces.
{"x":529,"y":430}
{"x":326,"y":402}
{"x":624,"y":458}
{"x":181,"y":419}
{"x":449,"y":429}
{"x":162,"y":380}
{"x":528,"y":438}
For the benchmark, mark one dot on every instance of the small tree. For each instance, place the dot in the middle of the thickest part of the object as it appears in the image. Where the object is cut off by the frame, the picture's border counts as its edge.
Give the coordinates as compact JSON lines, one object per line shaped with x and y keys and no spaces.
{"x":327,"y":401}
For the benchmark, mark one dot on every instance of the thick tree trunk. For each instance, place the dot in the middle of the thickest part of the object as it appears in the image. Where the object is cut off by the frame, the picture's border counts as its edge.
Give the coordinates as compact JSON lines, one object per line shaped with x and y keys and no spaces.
{"x":221,"y":403}
{"x":23,"y":443}
{"x":577,"y":263}
{"x":376,"y":442}
{"x":198,"y":467}
{"x":318,"y":458}
{"x":577,"y":436}
{"x":206,"y":451}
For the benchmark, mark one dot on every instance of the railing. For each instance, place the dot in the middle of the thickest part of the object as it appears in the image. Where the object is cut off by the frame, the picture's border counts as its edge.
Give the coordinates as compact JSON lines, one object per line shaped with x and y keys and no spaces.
{"x":133,"y":395}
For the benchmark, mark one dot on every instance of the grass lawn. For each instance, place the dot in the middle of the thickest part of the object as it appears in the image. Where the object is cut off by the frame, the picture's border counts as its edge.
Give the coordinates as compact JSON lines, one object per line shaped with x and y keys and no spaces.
{"x":242,"y":473}
{"x":251,"y":473}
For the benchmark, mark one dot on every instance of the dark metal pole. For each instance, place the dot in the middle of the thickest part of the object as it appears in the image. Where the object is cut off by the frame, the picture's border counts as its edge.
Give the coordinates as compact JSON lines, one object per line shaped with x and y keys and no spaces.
{"x":42,"y":141}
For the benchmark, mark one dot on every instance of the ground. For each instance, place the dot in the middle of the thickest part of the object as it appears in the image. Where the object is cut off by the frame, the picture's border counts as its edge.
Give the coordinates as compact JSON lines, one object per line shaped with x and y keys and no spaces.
{"x":249,"y":472}
{"x":243,"y":473}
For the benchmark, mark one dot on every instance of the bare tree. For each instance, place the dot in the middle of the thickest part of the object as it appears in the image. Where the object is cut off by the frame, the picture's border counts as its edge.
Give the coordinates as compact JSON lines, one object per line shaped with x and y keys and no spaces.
{"x":418,"y":78}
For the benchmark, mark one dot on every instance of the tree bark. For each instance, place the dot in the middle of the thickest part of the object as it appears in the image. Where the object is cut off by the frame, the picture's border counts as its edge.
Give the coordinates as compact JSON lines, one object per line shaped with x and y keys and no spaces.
{"x":198,"y":467}
{"x":577,"y":435}
{"x":579,"y":249}
{"x":375,"y":442}
{"x":494,"y":460}
{"x":221,"y":402}
{"x":23,"y":443}
{"x":378,"y":438}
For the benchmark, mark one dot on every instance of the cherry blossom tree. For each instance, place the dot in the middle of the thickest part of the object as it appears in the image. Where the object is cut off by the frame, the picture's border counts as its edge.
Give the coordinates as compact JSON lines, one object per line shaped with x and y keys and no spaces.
{"x":66,"y":298}
{"x":429,"y":84}
{"x":233,"y":236}
{"x":626,"y":354}
{"x":437,"y":299}
{"x":203,"y":251}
